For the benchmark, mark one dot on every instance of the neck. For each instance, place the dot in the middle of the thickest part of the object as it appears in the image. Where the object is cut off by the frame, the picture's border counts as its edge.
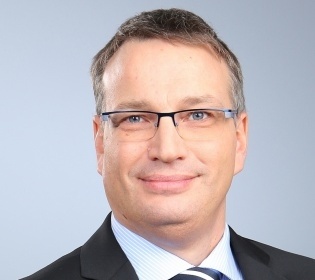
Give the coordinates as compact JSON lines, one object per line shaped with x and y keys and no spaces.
{"x":191,"y":241}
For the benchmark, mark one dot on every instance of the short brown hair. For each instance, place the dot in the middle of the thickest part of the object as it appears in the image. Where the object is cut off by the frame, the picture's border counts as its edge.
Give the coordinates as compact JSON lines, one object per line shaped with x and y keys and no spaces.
{"x":173,"y":25}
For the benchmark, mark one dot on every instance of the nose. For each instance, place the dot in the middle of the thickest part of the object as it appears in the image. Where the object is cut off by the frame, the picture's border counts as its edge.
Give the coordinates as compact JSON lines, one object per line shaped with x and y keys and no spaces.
{"x":167,"y":146}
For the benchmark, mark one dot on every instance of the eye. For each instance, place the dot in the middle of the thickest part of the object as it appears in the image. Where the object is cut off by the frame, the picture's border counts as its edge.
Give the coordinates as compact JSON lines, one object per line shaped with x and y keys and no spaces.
{"x":127,"y":119}
{"x":134,"y":119}
{"x":198,"y":116}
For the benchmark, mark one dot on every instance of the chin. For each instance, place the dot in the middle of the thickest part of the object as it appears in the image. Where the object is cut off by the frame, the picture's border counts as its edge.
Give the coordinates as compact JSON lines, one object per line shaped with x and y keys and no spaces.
{"x":167,"y":216}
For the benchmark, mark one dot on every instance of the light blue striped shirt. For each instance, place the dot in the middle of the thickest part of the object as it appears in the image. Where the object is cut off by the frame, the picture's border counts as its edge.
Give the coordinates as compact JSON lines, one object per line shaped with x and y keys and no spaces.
{"x":153,"y":263}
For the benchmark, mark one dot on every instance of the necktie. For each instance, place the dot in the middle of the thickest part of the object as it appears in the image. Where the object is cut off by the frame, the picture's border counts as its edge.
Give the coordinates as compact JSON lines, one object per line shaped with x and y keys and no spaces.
{"x":198,"y":273}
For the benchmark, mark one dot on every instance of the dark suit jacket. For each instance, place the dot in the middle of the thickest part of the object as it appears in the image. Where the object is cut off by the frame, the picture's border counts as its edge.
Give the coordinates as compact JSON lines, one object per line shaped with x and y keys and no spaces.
{"x":101,"y":258}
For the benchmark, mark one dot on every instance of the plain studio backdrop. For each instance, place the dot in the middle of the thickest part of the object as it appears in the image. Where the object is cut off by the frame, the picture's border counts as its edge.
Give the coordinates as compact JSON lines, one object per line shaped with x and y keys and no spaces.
{"x":52,"y":198}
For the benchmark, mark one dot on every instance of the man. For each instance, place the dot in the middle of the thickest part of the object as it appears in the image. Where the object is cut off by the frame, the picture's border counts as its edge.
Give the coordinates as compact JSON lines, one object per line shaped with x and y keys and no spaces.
{"x":170,"y":134}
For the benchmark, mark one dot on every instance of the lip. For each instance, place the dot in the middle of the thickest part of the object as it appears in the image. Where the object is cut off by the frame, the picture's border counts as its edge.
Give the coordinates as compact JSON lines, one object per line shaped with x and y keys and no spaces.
{"x":167,"y":184}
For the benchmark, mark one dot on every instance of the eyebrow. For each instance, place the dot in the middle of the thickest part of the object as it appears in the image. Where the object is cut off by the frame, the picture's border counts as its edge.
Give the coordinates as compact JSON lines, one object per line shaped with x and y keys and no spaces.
{"x":196,"y":100}
{"x":133,"y":104}
{"x":185,"y":103}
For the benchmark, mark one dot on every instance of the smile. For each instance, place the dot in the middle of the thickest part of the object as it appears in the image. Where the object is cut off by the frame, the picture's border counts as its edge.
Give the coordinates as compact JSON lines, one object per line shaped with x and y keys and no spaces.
{"x":173,"y":184}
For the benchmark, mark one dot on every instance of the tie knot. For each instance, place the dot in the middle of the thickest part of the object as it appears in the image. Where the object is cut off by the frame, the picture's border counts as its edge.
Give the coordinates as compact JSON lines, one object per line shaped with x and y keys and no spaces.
{"x":198,"y":273}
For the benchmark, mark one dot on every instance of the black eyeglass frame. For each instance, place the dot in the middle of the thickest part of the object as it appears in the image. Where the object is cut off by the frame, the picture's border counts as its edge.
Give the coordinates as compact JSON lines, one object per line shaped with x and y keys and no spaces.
{"x":228,"y":113}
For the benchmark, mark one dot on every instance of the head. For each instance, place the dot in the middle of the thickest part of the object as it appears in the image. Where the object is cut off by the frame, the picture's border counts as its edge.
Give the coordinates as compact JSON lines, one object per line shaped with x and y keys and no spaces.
{"x":171,"y":25}
{"x":166,"y":187}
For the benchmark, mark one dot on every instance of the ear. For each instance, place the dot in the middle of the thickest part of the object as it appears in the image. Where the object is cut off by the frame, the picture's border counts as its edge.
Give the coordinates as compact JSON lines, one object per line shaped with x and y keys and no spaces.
{"x":241,"y":142}
{"x":99,"y":145}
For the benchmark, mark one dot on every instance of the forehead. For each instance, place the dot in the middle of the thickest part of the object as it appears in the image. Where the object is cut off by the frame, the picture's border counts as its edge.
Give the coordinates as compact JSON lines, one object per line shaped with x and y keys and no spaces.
{"x":161,"y":74}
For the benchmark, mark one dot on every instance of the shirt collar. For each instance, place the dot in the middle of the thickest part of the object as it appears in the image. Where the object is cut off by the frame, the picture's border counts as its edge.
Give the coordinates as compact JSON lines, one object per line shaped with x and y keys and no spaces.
{"x":154,"y":263}
{"x":221,"y":258}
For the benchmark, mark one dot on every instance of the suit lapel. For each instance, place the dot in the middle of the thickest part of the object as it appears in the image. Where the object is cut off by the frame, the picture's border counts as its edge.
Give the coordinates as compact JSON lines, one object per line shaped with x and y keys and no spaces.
{"x":253,"y":262}
{"x":102,"y":258}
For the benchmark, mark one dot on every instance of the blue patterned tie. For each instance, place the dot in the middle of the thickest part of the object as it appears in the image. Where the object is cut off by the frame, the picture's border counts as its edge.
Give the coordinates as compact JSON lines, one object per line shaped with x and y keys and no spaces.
{"x":198,"y":273}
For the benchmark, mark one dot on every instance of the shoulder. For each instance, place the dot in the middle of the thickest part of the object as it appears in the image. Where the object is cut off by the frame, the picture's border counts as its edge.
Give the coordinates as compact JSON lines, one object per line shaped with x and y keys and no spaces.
{"x":291,"y":262}
{"x":100,"y":257}
{"x":253,"y":255}
{"x":288,"y":263}
{"x":65,"y":268}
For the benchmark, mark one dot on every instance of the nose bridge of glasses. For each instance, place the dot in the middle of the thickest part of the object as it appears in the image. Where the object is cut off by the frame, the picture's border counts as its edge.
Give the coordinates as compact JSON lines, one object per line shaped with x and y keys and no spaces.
{"x":161,"y":115}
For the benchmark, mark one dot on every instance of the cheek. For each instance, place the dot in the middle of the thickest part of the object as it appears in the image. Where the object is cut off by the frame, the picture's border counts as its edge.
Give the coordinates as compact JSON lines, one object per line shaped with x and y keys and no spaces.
{"x":219,"y":159}
{"x":119,"y":161}
{"x":216,"y":154}
{"x":120,"y":158}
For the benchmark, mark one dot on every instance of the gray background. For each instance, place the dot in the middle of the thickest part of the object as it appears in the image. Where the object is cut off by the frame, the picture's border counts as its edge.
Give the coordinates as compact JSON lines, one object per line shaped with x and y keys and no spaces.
{"x":52,"y":198}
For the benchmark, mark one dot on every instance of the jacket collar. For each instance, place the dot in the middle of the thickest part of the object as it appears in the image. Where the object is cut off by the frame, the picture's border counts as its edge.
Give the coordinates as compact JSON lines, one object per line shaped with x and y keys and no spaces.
{"x":102,"y":258}
{"x":254,"y":263}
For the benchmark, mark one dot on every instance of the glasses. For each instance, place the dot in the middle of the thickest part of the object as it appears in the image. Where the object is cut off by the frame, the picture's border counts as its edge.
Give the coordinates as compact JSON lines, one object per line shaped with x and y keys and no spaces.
{"x":192,"y":124}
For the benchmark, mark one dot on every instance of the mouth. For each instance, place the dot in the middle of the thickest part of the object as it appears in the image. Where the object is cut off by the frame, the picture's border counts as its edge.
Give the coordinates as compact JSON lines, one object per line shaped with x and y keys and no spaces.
{"x":167,"y":184}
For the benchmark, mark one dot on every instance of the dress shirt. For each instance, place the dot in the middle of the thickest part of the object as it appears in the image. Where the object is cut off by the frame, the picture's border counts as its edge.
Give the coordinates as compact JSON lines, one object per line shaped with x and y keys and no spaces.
{"x":154,"y":263}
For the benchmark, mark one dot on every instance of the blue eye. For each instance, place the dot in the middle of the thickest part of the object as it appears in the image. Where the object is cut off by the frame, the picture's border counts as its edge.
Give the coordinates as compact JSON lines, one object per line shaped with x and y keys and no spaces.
{"x":198,"y":115}
{"x":134,"y":119}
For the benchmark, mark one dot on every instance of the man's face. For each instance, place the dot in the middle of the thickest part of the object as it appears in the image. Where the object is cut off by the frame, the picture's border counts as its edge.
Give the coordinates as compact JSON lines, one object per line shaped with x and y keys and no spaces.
{"x":168,"y":181}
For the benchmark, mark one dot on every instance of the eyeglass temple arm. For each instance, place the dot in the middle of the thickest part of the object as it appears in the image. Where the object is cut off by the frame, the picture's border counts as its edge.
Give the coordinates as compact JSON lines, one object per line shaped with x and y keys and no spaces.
{"x":230,"y":114}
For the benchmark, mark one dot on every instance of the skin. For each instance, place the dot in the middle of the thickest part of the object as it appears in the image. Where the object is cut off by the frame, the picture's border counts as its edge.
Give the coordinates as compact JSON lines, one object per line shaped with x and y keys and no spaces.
{"x":169,"y":190}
